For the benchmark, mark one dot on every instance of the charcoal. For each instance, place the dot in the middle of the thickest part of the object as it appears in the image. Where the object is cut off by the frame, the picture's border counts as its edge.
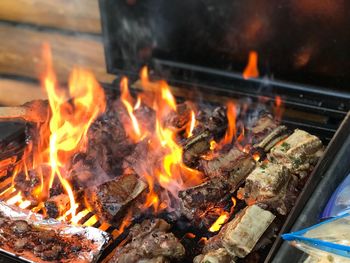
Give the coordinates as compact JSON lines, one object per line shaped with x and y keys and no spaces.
{"x":111,"y":199}
{"x":299,"y":152}
{"x":149,"y":242}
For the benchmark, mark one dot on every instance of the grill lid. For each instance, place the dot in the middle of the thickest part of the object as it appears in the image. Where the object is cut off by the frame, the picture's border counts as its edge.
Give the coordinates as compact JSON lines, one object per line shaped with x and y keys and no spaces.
{"x":304,"y":41}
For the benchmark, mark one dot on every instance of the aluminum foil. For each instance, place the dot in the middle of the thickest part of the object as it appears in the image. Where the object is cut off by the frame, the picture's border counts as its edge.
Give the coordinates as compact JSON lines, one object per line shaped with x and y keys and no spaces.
{"x":98,"y":238}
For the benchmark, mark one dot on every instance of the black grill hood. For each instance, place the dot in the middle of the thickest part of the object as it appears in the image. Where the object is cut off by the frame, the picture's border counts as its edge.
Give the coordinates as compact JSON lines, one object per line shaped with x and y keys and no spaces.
{"x":300,"y":41}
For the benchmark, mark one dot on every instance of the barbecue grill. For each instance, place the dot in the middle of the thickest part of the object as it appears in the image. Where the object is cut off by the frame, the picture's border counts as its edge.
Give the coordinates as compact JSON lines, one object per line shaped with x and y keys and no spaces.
{"x":197,"y":47}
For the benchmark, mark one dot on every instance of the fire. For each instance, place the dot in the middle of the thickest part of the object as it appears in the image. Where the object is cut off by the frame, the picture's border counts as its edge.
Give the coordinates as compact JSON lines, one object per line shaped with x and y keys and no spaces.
{"x":278,"y":108}
{"x":223,"y":218}
{"x":191,"y":125}
{"x":126,"y":99}
{"x":251,"y":70}
{"x":168,"y":172}
{"x":231,"y":129}
{"x":70,"y":120}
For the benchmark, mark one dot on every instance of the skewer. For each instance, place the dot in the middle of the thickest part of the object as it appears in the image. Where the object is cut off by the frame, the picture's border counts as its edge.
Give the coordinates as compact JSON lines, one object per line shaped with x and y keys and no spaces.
{"x":33,"y":111}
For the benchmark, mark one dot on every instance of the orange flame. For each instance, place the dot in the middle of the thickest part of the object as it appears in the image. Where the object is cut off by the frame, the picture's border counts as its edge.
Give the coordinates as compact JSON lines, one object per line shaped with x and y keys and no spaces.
{"x":169,"y":172}
{"x":72,"y":112}
{"x":278,"y":108}
{"x":231,"y":129}
{"x":251,"y":70}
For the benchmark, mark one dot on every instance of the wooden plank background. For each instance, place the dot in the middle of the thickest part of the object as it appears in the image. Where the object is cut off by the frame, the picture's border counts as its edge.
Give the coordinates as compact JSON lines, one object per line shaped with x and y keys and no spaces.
{"x":71,"y":27}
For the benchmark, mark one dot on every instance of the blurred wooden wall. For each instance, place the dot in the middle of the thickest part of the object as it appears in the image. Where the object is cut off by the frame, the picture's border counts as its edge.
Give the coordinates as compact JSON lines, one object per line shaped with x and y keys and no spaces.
{"x":71,"y":27}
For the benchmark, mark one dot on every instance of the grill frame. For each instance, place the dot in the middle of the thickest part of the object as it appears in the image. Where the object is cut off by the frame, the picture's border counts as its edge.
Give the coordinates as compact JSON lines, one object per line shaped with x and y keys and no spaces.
{"x":214,"y":93}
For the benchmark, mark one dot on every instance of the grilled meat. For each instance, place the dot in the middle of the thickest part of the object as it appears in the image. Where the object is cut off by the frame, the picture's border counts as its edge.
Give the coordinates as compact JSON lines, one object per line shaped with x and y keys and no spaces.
{"x":57,"y":205}
{"x":149,"y":242}
{"x":109,"y":200}
{"x":225,"y":173}
{"x":196,"y":200}
{"x":266,"y":132}
{"x":238,"y":237}
{"x":270,"y":185}
{"x":234,"y":164}
{"x":245,"y":230}
{"x":298,"y":152}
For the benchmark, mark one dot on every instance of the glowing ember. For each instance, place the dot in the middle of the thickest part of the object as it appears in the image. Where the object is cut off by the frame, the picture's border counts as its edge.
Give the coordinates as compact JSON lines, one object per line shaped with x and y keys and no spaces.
{"x":251,"y":70}
{"x":222,"y":219}
{"x":212,"y":145}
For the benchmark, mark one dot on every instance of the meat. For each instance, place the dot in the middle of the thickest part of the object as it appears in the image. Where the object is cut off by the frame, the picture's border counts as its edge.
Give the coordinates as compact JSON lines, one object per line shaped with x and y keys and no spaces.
{"x":149,"y":242}
{"x":265,"y":182}
{"x":225,"y":173}
{"x":235,"y":165}
{"x":196,"y":146}
{"x":245,"y":230}
{"x":271,"y":185}
{"x":57,"y":205}
{"x":266,"y":132}
{"x":110,"y":200}
{"x":196,"y":200}
{"x":238,"y":237}
{"x":34,"y":241}
{"x":298,"y":152}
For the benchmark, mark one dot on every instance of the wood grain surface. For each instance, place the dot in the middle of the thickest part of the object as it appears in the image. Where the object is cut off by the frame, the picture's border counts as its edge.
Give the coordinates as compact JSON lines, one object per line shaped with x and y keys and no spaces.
{"x":74,"y":15}
{"x":20,"y":53}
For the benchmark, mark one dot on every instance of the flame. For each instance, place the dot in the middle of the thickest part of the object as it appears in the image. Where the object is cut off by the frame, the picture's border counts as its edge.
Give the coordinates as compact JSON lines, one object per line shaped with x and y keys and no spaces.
{"x":167,"y":172}
{"x":231,"y":129}
{"x":278,"y":108}
{"x":223,"y":218}
{"x":191,"y":125}
{"x":213,"y":145}
{"x":72,"y":112}
{"x":127,"y":100}
{"x":251,"y":70}
{"x":256,"y":157}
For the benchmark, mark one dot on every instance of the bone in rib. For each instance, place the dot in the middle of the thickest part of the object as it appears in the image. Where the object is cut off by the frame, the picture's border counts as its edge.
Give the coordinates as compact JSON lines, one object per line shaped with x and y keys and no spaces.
{"x":239,"y":236}
{"x":111,"y":199}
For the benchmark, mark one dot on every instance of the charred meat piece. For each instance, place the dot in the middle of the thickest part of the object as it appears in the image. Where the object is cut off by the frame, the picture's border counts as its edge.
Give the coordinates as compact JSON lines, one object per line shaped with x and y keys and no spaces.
{"x":196,"y":146}
{"x":109,"y":200}
{"x":225,"y":172}
{"x":149,"y":242}
{"x":265,"y":182}
{"x":108,"y":144}
{"x":36,"y":242}
{"x":298,"y":152}
{"x":234,"y":164}
{"x":182,"y":115}
{"x":238,"y":237}
{"x":197,"y":199}
{"x":272,"y":186}
{"x":245,"y":230}
{"x":266,"y":132}
{"x":57,"y":205}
